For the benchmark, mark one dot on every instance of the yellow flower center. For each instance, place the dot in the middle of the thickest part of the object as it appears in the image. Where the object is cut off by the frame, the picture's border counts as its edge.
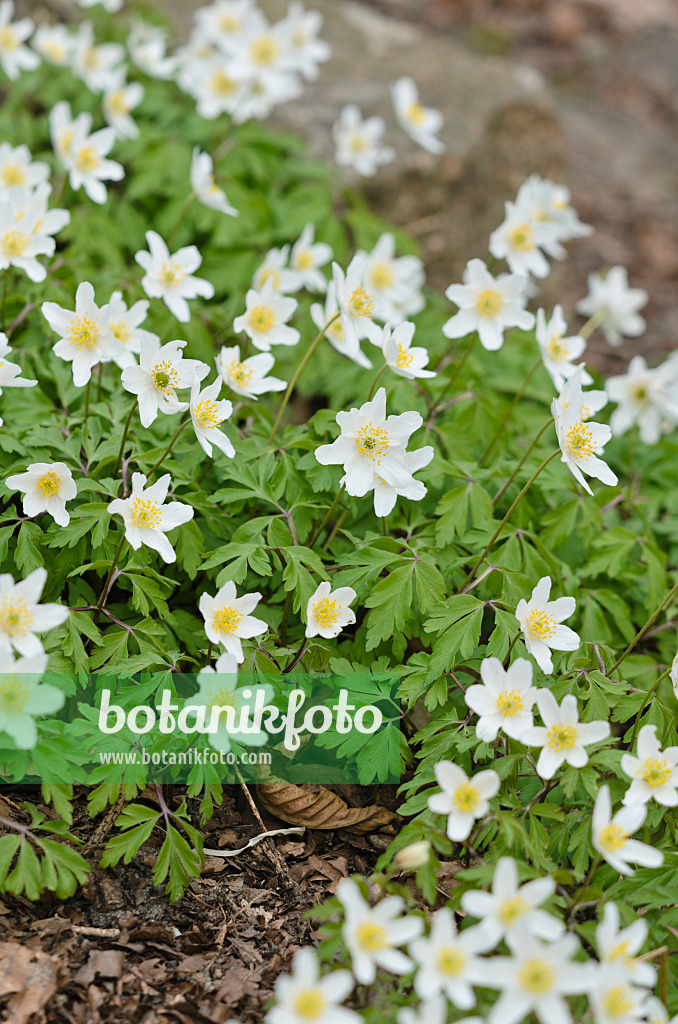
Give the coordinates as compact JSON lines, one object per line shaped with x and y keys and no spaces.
{"x":65,"y":140}
{"x":47,"y":484}
{"x":579,"y":442}
{"x":14,"y":243}
{"x":229,"y":23}
{"x":221,"y":84}
{"x":91,"y":58}
{"x":261,"y":319}
{"x":118,"y":104}
{"x":416,"y":113}
{"x":621,"y":952}
{"x":371,"y":936}
{"x":451,"y":961}
{"x":14,"y":695}
{"x":640,"y":394}
{"x":241,"y":373}
{"x":226,"y":620}
{"x":562,"y":737}
{"x":83,"y":332}
{"x":655,"y":771}
{"x":522,"y":238}
{"x":382,"y":276}
{"x":612,"y":837}
{"x":224,"y":699}
{"x":539,"y":625}
{"x":269,"y":274}
{"x":146,"y":514}
{"x":360,"y":303}
{"x":357,"y":142}
{"x":466,"y":798}
{"x":16,"y":618}
{"x":264,"y":50}
{"x":87,"y":159}
{"x":404,"y":358}
{"x":557,"y":349}
{"x":309,"y":1004}
{"x":509,"y":702}
{"x":303,"y":260}
{"x":372,"y":441}
{"x":206,"y":415}
{"x":489,"y":304}
{"x":513,"y":909}
{"x":537,"y":976}
{"x":618,"y":1001}
{"x":326,"y":612}
{"x":164,"y":376}
{"x":13,"y":174}
{"x":8,"y":40}
{"x":336,"y":331}
{"x":120,"y":331}
{"x":171,"y":273}
{"x":54,"y":51}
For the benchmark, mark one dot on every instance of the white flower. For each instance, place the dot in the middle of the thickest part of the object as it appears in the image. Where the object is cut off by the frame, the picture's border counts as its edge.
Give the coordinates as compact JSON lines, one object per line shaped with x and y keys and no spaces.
{"x":87,"y":166}
{"x":549,"y":204}
{"x":394,"y":282}
{"x":540,"y":620}
{"x":358,"y":141}
{"x":404,"y":360}
{"x":504,"y":701}
{"x":580,"y":440}
{"x":535,"y":978}
{"x":226,"y":19}
{"x":327,"y":611}
{"x":147,"y":519}
{"x":22,"y":616}
{"x":611,"y":836}
{"x":563,"y":738}
{"x":170,"y":277}
{"x":14,"y":56}
{"x":211,"y":82}
{"x":275,"y":269}
{"x":430,"y":1011}
{"x":265,"y":318}
{"x":98,"y":66}
{"x":325,"y":318}
{"x":54,"y":43}
{"x":447,"y":960}
{"x":10,"y":373}
{"x":372,"y":934}
{"x":617,"y":947}
{"x":463,"y":798}
{"x":208,"y":414}
{"x":23,"y":698}
{"x":228,"y":619}
{"x":249,"y":376}
{"x":22,"y":239}
{"x":422,"y":124}
{"x":162,"y":370}
{"x":414,"y":856}
{"x":370,"y":443}
{"x":357,"y":305}
{"x":17,"y":167}
{"x":147,"y":45}
{"x":219,"y":689}
{"x":487,"y":305}
{"x":308,"y":256}
{"x":656,"y":1012}
{"x":615,"y":1001}
{"x":303,"y":996}
{"x":47,"y":486}
{"x":385,"y":495}
{"x":204,"y":185}
{"x":84,"y":335}
{"x":304,"y":50}
{"x":654,"y":771}
{"x":558,"y":352}
{"x":511,"y":909}
{"x":125,"y":326}
{"x":518,"y":239}
{"x":64,"y":129}
{"x":118,"y":103}
{"x":610,"y":296}
{"x":645,"y":397}
{"x":31,"y":202}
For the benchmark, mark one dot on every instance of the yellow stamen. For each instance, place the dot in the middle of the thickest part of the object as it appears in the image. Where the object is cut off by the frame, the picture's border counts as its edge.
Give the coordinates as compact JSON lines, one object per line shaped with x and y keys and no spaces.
{"x":146,"y":514}
{"x":226,"y":620}
{"x":489,"y":304}
{"x":47,"y":484}
{"x":326,"y":612}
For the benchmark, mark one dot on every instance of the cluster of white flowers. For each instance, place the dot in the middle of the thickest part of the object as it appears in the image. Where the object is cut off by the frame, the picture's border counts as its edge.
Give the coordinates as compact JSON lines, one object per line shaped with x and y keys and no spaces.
{"x":27,"y":225}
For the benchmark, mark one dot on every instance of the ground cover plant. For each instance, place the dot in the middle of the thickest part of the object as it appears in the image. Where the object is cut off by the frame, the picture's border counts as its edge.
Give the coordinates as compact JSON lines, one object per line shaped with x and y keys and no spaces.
{"x":242,"y":440}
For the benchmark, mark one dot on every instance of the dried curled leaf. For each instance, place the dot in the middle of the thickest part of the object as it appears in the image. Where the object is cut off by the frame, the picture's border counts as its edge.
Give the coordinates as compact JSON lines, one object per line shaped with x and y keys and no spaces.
{"x":317,"y":807}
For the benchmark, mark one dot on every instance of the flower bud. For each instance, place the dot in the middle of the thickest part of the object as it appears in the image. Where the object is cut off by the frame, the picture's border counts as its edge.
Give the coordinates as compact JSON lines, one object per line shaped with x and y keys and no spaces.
{"x":413,"y":856}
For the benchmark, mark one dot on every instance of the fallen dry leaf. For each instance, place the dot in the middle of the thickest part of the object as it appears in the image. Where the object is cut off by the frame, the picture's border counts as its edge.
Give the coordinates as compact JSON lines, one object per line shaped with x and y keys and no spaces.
{"x":317,"y":807}
{"x":30,"y":975}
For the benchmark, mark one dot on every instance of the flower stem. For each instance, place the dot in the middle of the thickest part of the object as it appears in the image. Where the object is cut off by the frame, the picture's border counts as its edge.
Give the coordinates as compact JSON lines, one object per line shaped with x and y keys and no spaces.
{"x":88,"y":390}
{"x":180,"y":216}
{"x":103,"y":596}
{"x":455,"y":373}
{"x":507,"y":415}
{"x":506,"y":518}
{"x":168,"y":449}
{"x":124,"y":436}
{"x":290,"y":388}
{"x":591,"y":324}
{"x":374,"y":382}
{"x":648,"y":696}
{"x":507,"y":483}
{"x":641,"y":632}
{"x":297,"y":657}
{"x":5,"y":278}
{"x":326,"y":518}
